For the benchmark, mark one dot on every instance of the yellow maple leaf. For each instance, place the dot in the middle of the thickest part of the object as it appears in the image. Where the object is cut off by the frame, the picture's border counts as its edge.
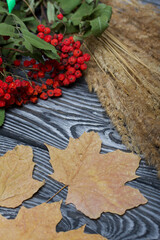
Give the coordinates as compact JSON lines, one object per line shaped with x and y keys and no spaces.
{"x":39,"y":223}
{"x":16,"y":182}
{"x":96,"y":181}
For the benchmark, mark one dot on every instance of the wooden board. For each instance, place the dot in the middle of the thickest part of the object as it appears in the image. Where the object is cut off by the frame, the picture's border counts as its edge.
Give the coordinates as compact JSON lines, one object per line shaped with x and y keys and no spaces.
{"x":53,"y":122}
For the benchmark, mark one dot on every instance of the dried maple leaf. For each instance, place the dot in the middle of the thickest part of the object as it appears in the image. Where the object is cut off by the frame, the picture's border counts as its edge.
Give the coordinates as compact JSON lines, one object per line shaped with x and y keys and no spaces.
{"x":96,"y":181}
{"x":39,"y":223}
{"x":16,"y":182}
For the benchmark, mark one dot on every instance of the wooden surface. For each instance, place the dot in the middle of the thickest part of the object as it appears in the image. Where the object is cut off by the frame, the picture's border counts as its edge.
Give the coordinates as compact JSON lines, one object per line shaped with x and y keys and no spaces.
{"x":53,"y":122}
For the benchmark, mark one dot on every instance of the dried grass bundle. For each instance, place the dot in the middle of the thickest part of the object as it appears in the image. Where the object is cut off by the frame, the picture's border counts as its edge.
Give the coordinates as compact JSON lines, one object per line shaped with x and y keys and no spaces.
{"x":125,"y":73}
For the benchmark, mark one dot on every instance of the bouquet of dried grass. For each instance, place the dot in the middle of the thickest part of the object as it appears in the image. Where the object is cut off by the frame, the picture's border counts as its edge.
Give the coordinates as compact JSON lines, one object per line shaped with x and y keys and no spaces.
{"x":125,"y":73}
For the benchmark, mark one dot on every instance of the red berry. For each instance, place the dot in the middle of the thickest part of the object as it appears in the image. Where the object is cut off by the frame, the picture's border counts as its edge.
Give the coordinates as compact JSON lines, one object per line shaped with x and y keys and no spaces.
{"x":77,"y":52}
{"x":4,"y":86}
{"x":60,"y":16}
{"x":77,"y":66}
{"x":33,"y":99}
{"x":47,"y":30}
{"x":80,"y":60}
{"x":33,"y":61}
{"x":64,"y":55}
{"x":18,"y":83}
{"x":61,"y":67}
{"x":26,"y":63}
{"x":57,"y":92}
{"x":2,"y":103}
{"x":7,"y":97}
{"x":44,"y":87}
{"x":71,"y":39}
{"x":1,"y":61}
{"x":1,"y":92}
{"x":30,"y":91}
{"x":35,"y":76}
{"x":44,"y":96}
{"x":9,"y":79}
{"x":48,"y":67}
{"x":41,"y":74}
{"x":77,"y":44}
{"x":67,"y":42}
{"x":71,"y":78}
{"x":40,"y":35}
{"x":40,"y":28}
{"x":78,"y":74}
{"x":49,"y":82}
{"x":61,"y":77}
{"x":71,"y":70}
{"x":12,"y":86}
{"x":35,"y":67}
{"x":65,"y":62}
{"x":54,"y":42}
{"x":66,"y":82}
{"x":83,"y":66}
{"x":38,"y":89}
{"x":56,"y":84}
{"x":60,"y":37}
{"x":30,"y":74}
{"x":50,"y":93}
{"x":86,"y":57}
{"x":25,"y":84}
{"x":55,"y":36}
{"x":72,"y":60}
{"x":48,"y":38}
{"x":65,"y":49}
{"x":1,"y":83}
{"x":17,"y":63}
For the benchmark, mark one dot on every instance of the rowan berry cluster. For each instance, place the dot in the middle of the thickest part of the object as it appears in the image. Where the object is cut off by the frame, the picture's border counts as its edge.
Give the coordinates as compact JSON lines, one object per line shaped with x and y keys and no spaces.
{"x":16,"y":91}
{"x":58,"y":74}
{"x":72,"y":60}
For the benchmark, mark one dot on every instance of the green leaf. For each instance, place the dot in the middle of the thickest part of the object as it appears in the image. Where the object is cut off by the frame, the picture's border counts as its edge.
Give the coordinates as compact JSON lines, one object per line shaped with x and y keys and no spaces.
{"x":51,"y":12}
{"x":28,"y":19}
{"x":3,"y":10}
{"x":7,"y":30}
{"x":83,"y":11}
{"x":98,"y":25}
{"x":28,"y":46}
{"x":2,"y":116}
{"x":70,"y":29}
{"x":18,"y":21}
{"x":51,"y":55}
{"x":39,"y":43}
{"x":90,"y":1}
{"x":69,"y":5}
{"x":102,"y":10}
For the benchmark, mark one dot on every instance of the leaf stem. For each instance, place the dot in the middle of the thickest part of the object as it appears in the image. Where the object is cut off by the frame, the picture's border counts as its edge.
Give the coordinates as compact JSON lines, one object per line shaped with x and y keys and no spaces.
{"x":57,"y":193}
{"x":31,"y":10}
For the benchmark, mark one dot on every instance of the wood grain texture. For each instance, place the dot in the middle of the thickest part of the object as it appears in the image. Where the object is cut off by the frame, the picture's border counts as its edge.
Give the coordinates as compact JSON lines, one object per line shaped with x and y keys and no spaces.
{"x":53,"y":122}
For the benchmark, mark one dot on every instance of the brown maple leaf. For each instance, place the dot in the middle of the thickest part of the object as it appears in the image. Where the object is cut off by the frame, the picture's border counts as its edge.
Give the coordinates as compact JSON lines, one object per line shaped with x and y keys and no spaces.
{"x":39,"y":223}
{"x":96,"y":181}
{"x":16,"y":182}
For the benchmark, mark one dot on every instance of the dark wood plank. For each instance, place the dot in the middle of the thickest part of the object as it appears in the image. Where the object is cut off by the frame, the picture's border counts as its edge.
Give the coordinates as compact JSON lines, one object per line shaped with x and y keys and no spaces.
{"x":53,"y":122}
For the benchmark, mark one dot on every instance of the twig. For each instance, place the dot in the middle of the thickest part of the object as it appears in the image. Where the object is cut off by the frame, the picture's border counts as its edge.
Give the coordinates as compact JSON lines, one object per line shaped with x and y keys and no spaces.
{"x":56,"y":193}
{"x":31,"y":10}
{"x":14,"y":49}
